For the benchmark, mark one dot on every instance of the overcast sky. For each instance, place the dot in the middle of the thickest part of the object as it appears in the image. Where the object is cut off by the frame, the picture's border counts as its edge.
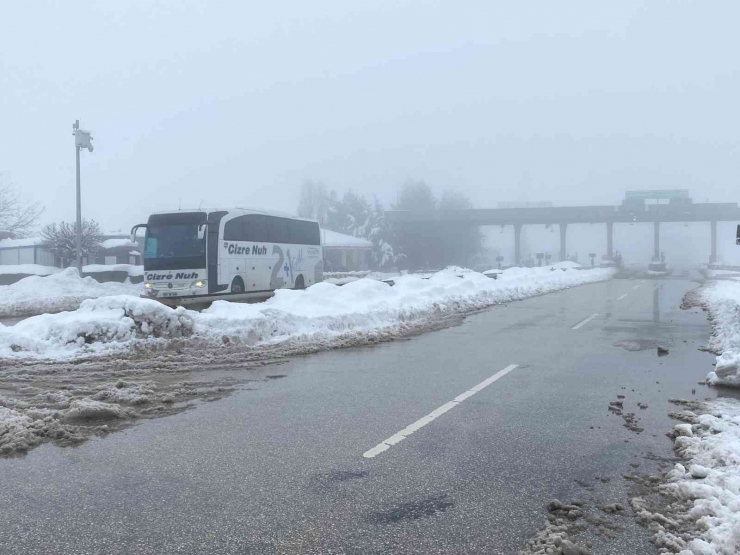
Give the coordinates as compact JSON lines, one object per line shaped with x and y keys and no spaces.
{"x":236,"y":103}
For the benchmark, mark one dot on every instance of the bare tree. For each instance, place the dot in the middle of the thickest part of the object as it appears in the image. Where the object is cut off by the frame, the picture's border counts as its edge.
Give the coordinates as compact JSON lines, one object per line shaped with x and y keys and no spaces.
{"x":61,"y":239}
{"x":16,"y":216}
{"x":313,"y":202}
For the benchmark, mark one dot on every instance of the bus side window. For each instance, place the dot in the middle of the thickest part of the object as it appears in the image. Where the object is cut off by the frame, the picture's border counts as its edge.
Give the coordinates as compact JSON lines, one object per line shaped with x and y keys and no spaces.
{"x":295,"y":232}
{"x":314,"y":235}
{"x":277,"y":230}
{"x":304,"y":233}
{"x":234,"y":230}
{"x":255,"y":228}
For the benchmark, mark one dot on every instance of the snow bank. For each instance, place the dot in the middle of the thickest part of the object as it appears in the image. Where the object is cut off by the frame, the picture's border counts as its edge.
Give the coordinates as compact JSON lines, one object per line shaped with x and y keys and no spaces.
{"x":342,"y":278}
{"x":364,"y":306}
{"x":63,"y":290}
{"x":130,"y":269}
{"x":341,"y":281}
{"x":568,"y":264}
{"x":379,"y":276}
{"x":96,"y":326}
{"x":722,"y":300}
{"x":318,"y":316}
{"x":709,"y":482}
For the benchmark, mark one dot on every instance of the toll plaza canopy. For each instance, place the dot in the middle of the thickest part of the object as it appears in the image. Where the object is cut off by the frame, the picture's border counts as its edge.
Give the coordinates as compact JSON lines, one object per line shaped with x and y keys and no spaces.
{"x":634,"y":208}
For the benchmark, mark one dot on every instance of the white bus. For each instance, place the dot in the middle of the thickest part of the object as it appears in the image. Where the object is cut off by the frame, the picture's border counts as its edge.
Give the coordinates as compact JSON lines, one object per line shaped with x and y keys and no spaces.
{"x":193,"y":256}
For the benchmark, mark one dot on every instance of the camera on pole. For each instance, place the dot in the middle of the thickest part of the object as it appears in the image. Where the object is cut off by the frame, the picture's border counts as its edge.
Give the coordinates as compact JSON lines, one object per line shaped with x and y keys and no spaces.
{"x":83,"y":139}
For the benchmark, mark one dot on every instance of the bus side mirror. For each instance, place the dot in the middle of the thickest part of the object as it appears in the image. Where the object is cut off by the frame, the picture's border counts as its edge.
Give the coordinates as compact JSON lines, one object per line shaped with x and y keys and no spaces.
{"x":134,"y":230}
{"x":737,"y":237}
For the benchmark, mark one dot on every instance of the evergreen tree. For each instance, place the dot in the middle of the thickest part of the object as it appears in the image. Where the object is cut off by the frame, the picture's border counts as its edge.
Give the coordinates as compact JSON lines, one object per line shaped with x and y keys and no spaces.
{"x":435,"y":245}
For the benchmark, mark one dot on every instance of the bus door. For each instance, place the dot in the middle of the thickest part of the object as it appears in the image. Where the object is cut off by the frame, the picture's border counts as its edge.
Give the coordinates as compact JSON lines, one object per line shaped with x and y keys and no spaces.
{"x":257,"y":261}
{"x":212,"y":252}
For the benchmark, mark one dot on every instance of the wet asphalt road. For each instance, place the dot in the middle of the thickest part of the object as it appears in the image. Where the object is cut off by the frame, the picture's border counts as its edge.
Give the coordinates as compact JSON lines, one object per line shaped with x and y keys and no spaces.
{"x":280,"y":468}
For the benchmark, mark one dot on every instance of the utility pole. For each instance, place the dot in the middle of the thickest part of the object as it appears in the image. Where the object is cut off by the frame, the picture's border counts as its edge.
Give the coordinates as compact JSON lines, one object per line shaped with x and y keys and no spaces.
{"x":82,"y":140}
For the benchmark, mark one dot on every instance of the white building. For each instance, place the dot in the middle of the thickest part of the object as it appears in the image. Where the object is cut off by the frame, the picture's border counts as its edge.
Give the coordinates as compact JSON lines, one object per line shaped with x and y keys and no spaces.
{"x":116,"y":248}
{"x":345,"y":253}
{"x":24,"y":251}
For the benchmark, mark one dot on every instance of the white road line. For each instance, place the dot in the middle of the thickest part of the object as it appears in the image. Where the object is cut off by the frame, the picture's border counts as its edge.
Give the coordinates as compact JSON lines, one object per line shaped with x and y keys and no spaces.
{"x":636,"y":287}
{"x":582,"y":323}
{"x":622,"y":297}
{"x":423,"y":421}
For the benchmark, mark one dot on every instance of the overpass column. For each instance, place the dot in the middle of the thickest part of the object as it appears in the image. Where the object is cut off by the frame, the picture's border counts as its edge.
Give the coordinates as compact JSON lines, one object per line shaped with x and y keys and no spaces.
{"x":610,"y":240}
{"x":517,"y":244}
{"x":563,"y":230}
{"x":656,"y":241}
{"x":713,"y":256}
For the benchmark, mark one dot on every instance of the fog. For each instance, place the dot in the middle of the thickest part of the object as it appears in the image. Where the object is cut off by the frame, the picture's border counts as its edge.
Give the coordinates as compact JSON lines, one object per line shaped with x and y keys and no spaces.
{"x":237,"y":103}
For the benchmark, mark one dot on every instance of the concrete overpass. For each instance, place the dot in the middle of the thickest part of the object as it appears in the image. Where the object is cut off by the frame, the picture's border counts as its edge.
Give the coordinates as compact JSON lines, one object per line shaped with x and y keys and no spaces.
{"x":632,"y":210}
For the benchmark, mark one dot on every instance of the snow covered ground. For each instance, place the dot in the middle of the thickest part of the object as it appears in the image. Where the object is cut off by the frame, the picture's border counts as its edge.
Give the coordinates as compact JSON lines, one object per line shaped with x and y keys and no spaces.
{"x":63,"y":290}
{"x":703,"y":516}
{"x":321,"y":313}
{"x":722,"y":300}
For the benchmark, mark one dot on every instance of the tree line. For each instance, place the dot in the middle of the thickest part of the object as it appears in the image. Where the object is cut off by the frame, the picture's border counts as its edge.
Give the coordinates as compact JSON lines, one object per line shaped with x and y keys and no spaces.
{"x":19,"y":218}
{"x":414,"y":247}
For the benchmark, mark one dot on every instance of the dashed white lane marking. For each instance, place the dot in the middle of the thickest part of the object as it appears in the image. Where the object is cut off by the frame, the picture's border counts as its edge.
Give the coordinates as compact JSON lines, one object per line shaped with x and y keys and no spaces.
{"x":436,"y":413}
{"x":582,"y":323}
{"x":622,"y":297}
{"x":636,"y":287}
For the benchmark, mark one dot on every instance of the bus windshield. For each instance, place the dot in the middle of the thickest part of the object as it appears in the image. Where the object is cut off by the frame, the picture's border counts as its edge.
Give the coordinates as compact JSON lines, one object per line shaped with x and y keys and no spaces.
{"x":174,"y":242}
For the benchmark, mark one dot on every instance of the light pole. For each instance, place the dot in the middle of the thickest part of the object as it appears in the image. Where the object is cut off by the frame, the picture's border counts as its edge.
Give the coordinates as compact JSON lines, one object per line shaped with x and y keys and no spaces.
{"x":83,"y":139}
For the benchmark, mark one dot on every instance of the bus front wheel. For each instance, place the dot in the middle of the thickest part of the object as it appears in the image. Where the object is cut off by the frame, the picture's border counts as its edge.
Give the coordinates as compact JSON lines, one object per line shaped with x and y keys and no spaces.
{"x":237,"y":286}
{"x":299,"y":283}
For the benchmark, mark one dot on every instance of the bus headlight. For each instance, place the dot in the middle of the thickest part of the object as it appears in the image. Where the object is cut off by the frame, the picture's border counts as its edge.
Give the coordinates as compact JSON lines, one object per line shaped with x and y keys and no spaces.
{"x":147,"y":285}
{"x":199,"y":284}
